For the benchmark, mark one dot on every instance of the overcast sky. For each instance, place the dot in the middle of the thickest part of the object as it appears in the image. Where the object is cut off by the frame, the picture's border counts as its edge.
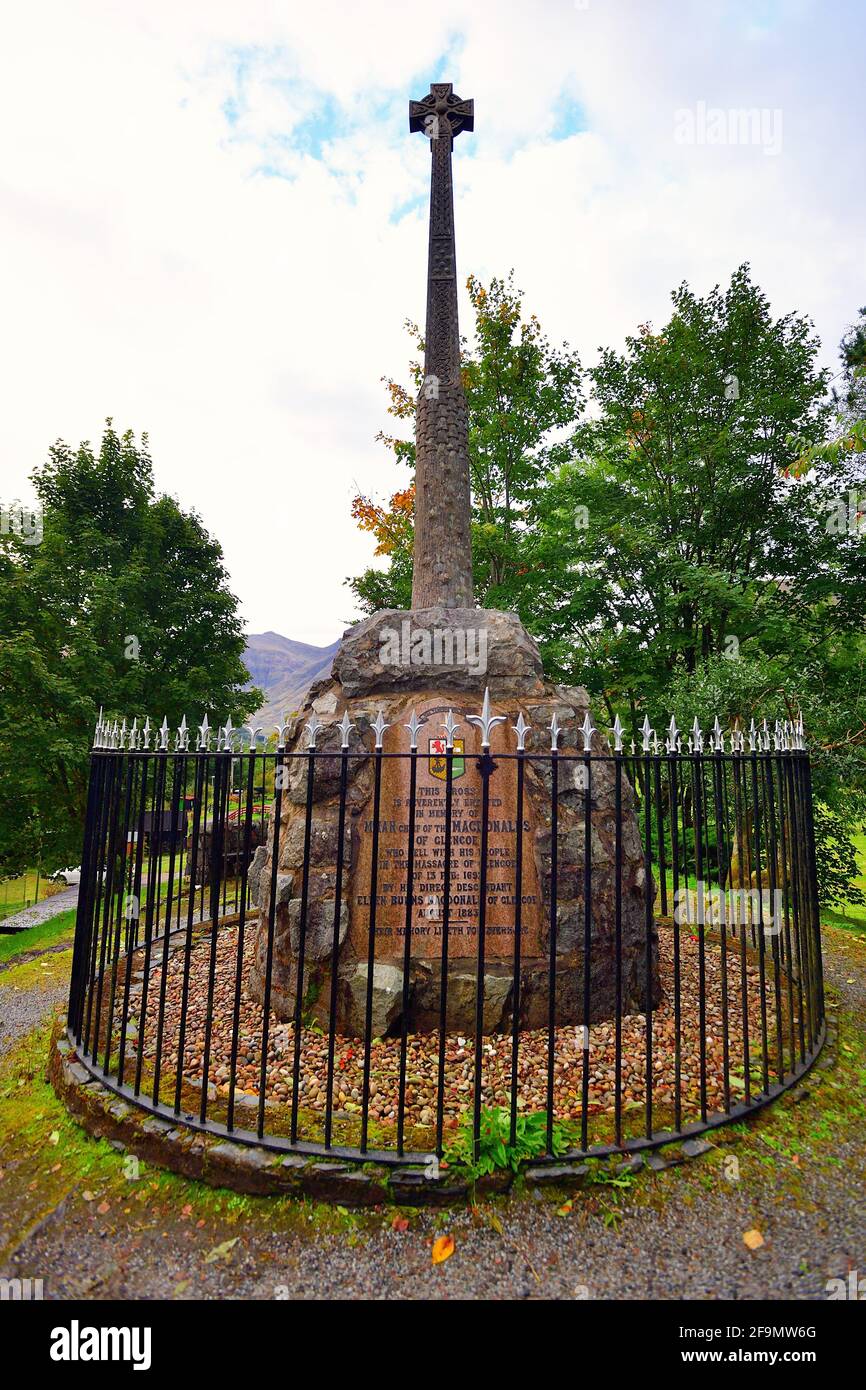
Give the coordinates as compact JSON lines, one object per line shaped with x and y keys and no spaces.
{"x":213,"y":222}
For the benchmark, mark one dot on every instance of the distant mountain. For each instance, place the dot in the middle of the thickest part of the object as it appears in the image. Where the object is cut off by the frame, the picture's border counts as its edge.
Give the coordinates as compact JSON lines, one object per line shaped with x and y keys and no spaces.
{"x":283,"y":669}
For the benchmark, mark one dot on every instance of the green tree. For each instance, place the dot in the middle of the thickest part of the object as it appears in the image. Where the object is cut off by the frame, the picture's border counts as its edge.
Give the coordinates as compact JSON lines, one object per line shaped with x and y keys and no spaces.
{"x":696,"y":546}
{"x":679,"y":531}
{"x":523,"y":396}
{"x":850,"y":395}
{"x":124,"y":604}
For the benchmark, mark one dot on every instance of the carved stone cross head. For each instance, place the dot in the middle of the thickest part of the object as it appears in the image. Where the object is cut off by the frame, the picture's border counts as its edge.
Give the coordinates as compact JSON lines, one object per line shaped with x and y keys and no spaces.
{"x":441,"y":113}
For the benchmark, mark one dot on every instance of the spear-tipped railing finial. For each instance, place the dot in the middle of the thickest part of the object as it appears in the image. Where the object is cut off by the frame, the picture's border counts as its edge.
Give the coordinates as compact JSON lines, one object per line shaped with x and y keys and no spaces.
{"x":486,"y":721}
{"x":312,"y":727}
{"x":282,"y":731}
{"x":450,"y":726}
{"x":413,"y":726}
{"x":379,"y":726}
{"x":521,"y":728}
{"x":646,"y":733}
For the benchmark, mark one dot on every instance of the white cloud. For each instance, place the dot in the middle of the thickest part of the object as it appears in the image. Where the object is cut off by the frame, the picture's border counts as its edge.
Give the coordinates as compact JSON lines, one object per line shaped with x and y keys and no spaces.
{"x":151,"y":270}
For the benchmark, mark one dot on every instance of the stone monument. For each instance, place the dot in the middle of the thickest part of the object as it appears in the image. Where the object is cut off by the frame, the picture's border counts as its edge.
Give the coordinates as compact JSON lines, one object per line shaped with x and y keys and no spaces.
{"x":454,"y":681}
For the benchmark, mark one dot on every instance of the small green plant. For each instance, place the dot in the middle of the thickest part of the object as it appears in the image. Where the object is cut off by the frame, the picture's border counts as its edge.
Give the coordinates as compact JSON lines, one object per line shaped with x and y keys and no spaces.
{"x":495,"y":1149}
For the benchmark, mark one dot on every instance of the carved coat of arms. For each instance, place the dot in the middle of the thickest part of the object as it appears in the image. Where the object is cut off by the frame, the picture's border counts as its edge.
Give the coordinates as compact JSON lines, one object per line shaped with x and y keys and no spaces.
{"x":438,"y":762}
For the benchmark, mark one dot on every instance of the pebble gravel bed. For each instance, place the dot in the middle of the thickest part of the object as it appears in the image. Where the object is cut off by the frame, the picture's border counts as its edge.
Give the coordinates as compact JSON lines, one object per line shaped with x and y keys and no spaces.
{"x":687,"y":1245}
{"x":423,"y":1050}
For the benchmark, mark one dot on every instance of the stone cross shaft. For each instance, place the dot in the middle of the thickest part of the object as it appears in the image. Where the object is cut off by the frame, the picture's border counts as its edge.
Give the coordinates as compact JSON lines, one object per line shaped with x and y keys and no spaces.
{"x":442,"y":568}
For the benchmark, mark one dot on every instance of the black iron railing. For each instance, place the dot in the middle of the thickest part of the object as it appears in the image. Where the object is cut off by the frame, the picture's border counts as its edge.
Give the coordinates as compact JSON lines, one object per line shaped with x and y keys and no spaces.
{"x":630,"y":954}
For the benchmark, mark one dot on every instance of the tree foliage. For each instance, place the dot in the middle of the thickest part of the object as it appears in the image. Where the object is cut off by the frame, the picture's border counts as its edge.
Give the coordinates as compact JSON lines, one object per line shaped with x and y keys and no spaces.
{"x":523,"y":397}
{"x":124,"y":604}
{"x":693,"y":543}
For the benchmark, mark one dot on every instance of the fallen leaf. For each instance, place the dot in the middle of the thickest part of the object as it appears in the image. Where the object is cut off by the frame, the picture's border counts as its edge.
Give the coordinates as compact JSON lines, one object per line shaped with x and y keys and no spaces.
{"x":54,"y":1136}
{"x":88,"y":1196}
{"x":221,"y":1252}
{"x":400,"y":1223}
{"x":443,"y":1249}
{"x":566,"y":1209}
{"x":753,"y":1239}
{"x":103,"y":1208}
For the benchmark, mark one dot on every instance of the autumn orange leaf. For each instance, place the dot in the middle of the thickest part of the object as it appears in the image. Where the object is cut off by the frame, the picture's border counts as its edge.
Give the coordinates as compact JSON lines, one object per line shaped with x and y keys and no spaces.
{"x":400,"y":1223}
{"x":443,"y":1249}
{"x":753,"y":1239}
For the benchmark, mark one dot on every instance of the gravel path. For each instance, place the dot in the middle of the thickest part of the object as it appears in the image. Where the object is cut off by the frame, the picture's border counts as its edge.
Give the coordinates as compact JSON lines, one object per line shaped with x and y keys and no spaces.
{"x":42,"y":911}
{"x":23,"y":1009}
{"x":677,"y":1235}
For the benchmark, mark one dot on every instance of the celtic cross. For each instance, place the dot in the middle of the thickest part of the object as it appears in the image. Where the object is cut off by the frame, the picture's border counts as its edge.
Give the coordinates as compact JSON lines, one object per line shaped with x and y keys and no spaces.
{"x":442,"y":566}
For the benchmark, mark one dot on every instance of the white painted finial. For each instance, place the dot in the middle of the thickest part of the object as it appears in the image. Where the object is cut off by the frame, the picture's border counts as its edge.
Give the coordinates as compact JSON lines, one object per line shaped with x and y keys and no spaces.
{"x":555,"y":731}
{"x":313,"y":727}
{"x":486,"y":721}
{"x":521,"y":728}
{"x":413,"y":726}
{"x":646,"y":733}
{"x":379,"y":726}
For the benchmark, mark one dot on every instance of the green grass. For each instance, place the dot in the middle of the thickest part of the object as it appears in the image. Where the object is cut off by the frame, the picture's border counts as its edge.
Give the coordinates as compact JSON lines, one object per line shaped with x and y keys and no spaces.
{"x":58,"y":929}
{"x":18,"y":893}
{"x":851,"y":916}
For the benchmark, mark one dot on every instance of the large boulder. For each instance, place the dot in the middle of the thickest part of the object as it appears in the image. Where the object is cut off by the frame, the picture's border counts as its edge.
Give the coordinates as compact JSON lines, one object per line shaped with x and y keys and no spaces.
{"x":367,"y":678}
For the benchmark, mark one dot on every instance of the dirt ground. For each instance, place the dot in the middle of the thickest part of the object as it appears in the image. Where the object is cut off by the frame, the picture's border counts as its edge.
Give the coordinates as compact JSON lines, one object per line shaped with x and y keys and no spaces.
{"x":93,"y":1223}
